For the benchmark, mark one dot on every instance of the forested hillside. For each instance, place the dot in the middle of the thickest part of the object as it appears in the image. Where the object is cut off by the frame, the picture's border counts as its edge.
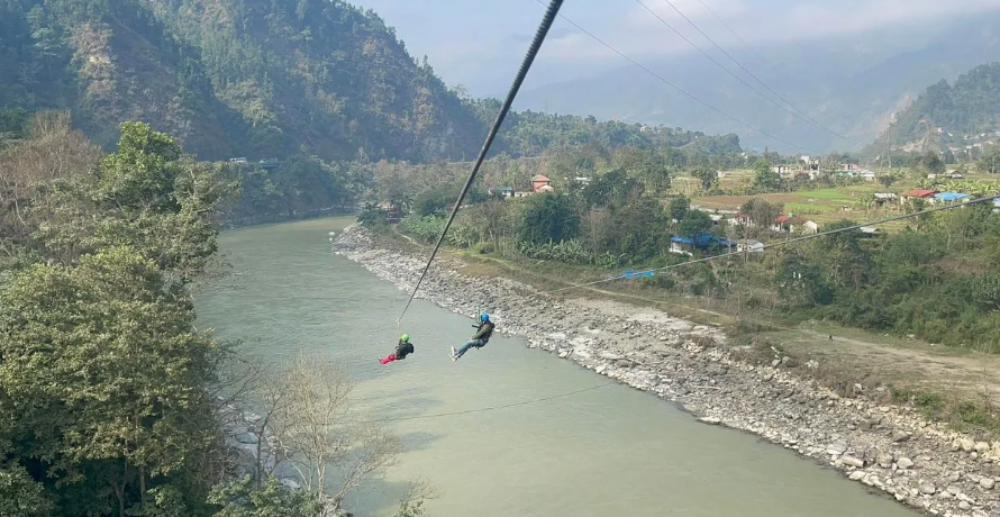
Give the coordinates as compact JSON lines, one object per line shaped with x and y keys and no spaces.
{"x":108,"y":61}
{"x":951,"y":114}
{"x":266,"y":80}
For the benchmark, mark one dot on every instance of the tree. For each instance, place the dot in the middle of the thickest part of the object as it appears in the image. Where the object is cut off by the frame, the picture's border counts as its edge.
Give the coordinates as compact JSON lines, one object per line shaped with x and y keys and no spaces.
{"x":887,"y":180}
{"x":708,"y":178}
{"x":695,"y":223}
{"x":241,"y":499}
{"x":310,"y":415}
{"x":549,"y":218}
{"x":114,"y":380}
{"x":764,"y":176}
{"x":931,"y":163}
{"x":21,"y":496}
{"x":761,"y":213}
{"x":990,"y":162}
{"x":679,"y":207}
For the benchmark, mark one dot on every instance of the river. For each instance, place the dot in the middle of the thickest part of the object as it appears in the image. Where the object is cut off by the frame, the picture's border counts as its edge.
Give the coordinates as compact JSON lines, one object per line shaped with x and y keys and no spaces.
{"x":592,"y":449}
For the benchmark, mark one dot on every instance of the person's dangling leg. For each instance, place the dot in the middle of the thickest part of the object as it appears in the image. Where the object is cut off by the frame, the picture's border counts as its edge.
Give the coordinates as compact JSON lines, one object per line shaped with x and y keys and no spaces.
{"x":388,"y":359}
{"x":465,"y":348}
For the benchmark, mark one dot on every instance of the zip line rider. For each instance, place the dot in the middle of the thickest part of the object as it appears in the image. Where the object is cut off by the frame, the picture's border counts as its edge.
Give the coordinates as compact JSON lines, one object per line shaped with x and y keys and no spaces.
{"x":403,"y":349}
{"x":484,"y":331}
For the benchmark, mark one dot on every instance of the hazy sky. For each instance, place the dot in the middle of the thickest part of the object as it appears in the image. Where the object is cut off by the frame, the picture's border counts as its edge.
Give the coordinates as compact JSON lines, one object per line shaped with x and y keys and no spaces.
{"x":479,"y":43}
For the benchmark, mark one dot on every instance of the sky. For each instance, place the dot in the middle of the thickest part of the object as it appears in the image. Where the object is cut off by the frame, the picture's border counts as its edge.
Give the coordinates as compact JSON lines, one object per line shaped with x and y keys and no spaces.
{"x":479,"y":43}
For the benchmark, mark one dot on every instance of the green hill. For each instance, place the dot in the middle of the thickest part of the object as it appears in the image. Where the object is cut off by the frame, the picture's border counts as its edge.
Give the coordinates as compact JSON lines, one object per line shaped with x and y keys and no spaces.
{"x":269,"y":79}
{"x":950,"y":115}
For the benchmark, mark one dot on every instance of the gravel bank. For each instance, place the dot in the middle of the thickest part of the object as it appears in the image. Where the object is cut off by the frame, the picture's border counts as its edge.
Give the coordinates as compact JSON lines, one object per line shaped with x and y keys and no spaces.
{"x":889,"y":449}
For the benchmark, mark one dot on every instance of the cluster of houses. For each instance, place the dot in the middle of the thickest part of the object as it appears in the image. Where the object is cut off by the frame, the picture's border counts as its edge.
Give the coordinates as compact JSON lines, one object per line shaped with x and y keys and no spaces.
{"x":539,"y":184}
{"x":808,"y":169}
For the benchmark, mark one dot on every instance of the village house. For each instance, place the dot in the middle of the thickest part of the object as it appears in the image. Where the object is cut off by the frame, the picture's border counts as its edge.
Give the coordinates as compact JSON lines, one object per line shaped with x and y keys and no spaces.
{"x":749,"y":246}
{"x":849,"y":167}
{"x":788,"y":223}
{"x":882,"y":198}
{"x":955,"y":175}
{"x":540,"y":181}
{"x":918,"y":194}
{"x":949,"y":197}
{"x":502,"y":192}
{"x":582,"y":180}
{"x":867,"y":175}
{"x":683,"y":245}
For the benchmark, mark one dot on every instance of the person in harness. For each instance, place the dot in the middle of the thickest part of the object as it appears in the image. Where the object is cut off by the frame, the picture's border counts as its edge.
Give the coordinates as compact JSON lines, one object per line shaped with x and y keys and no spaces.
{"x":484,"y":331}
{"x":403,"y":349}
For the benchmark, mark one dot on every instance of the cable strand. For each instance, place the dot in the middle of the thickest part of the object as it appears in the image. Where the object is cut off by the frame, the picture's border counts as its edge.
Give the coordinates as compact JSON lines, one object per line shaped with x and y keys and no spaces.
{"x":536,"y":44}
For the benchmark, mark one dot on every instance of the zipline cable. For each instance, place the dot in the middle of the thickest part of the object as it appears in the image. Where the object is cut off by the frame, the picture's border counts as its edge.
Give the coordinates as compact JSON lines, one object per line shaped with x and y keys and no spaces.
{"x":678,"y":88}
{"x":536,"y":44}
{"x":781,"y":243}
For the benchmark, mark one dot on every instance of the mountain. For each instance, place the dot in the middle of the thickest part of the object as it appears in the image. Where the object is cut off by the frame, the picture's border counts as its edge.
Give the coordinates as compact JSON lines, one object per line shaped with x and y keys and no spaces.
{"x":851,"y":85}
{"x":318,"y":79}
{"x":107,"y":61}
{"x":949,"y":115}
{"x":243,"y":77}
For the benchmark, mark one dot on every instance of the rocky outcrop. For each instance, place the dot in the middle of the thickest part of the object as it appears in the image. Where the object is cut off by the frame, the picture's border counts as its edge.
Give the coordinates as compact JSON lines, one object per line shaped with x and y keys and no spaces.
{"x":892,"y":449}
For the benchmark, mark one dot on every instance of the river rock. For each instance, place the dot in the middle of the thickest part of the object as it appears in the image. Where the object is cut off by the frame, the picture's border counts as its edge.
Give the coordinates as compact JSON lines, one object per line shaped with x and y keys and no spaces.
{"x":900,"y":436}
{"x":857,"y":475}
{"x":987,"y":483}
{"x":982,"y":447}
{"x":927,"y":488}
{"x":905,"y":463}
{"x":836,"y":449}
{"x":966,"y":444}
{"x":851,"y":461}
{"x":710,"y":420}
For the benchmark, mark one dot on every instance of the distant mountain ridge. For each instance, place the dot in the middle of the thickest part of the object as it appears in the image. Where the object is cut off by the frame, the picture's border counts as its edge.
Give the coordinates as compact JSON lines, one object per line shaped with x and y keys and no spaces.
{"x":950,"y":116}
{"x":851,"y":85}
{"x":263,"y":79}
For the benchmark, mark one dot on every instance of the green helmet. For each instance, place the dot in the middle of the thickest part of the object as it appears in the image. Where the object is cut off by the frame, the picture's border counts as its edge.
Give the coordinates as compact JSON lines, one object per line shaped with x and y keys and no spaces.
{"x":405,"y":338}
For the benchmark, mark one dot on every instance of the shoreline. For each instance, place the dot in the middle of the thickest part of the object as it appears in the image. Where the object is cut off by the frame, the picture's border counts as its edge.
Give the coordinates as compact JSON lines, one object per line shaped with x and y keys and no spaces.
{"x":890,"y":449}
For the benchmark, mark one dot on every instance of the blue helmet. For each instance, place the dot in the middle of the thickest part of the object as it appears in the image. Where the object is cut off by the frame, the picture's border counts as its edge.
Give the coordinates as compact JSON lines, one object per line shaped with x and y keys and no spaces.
{"x":484,"y":317}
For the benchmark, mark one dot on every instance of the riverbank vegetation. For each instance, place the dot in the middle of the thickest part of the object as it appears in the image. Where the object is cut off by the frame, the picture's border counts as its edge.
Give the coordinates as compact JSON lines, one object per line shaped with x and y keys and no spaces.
{"x":112,"y":402}
{"x":928,"y":279}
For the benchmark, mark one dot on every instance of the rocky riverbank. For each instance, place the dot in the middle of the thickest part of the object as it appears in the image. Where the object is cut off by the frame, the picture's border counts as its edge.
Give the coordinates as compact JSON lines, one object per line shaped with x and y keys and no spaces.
{"x":890,"y":449}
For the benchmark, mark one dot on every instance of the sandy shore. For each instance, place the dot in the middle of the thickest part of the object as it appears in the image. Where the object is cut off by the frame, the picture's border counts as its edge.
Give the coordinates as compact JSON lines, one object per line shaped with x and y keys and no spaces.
{"x":890,"y":449}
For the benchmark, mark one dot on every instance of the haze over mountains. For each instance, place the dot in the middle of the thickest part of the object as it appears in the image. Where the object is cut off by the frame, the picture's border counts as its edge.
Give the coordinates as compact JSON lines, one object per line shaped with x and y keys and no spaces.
{"x":850,"y":85}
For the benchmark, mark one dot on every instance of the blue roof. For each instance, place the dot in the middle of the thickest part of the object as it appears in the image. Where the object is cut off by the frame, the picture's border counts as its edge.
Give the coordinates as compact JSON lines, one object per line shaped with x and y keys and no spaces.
{"x":950,"y":196}
{"x":996,"y":202}
{"x":703,"y":240}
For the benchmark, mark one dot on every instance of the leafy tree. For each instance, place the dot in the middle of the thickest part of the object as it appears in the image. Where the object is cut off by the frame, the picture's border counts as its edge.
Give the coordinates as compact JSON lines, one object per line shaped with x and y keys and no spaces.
{"x":679,"y":207}
{"x":760,"y":212}
{"x":695,"y":223}
{"x":242,"y":499}
{"x":549,"y":218}
{"x":707,"y":177}
{"x":990,"y":162}
{"x":764,"y":176}
{"x":21,"y":496}
{"x":887,"y":180}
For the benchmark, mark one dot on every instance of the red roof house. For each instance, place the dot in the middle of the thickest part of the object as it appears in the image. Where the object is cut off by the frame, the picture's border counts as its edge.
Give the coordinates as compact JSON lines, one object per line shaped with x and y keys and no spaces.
{"x":539,"y":181}
{"x":919,"y":194}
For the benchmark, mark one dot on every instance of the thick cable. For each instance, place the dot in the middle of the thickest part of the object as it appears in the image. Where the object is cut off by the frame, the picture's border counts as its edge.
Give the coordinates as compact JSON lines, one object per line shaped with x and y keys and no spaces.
{"x":536,"y":45}
{"x":784,"y":242}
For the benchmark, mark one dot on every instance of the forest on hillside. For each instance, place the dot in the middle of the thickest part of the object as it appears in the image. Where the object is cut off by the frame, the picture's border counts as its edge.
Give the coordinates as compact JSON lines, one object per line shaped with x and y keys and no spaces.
{"x":266,"y":80}
{"x":950,"y":115}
